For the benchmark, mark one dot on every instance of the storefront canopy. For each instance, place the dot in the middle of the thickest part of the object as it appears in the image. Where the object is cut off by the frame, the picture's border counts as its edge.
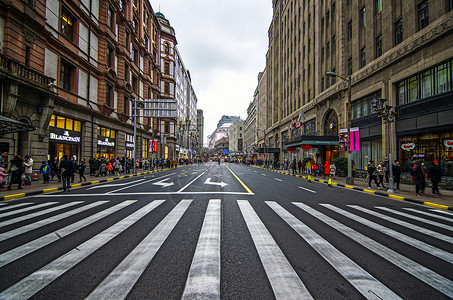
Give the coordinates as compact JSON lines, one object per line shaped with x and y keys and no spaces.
{"x":8,"y":125}
{"x":313,"y":140}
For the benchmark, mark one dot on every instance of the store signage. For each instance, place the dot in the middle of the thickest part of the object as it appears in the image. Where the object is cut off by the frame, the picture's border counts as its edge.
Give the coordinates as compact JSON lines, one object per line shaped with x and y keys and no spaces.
{"x":177,"y":147}
{"x":343,"y":140}
{"x":129,"y":145}
{"x":408,"y":146}
{"x":64,"y":137}
{"x":448,"y":143}
{"x":153,"y":146}
{"x":106,"y":142}
{"x":354,"y":142}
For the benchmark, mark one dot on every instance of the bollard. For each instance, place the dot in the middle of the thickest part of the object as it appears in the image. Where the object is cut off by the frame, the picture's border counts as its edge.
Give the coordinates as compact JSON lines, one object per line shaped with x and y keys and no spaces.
{"x":330,"y":182}
{"x":309,"y":178}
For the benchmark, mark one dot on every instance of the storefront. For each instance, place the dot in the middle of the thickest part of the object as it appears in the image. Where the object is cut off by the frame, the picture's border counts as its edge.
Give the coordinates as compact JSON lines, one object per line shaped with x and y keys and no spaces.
{"x":322,"y":148}
{"x":427,"y":147}
{"x":129,"y":146}
{"x":106,"y":142}
{"x":65,"y":137}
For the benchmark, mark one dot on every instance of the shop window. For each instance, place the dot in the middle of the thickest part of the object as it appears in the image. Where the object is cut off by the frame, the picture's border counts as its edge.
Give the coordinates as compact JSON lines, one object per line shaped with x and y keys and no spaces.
{"x":412,"y":92}
{"x":67,"y":24}
{"x":443,"y":79}
{"x":60,"y":122}
{"x":107,"y":132}
{"x":69,"y":124}
{"x":77,"y":126}
{"x":52,"y":121}
{"x":427,"y":82}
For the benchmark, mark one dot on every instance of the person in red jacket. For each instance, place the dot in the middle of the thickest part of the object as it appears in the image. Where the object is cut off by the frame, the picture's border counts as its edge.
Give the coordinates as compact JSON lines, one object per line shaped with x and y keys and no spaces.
{"x":326,"y":169}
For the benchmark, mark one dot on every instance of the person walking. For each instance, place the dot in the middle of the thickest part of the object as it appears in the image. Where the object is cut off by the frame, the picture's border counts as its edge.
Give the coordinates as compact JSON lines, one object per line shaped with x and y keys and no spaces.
{"x":381,"y":173}
{"x":326,"y":169}
{"x":45,"y":171}
{"x":55,"y":169}
{"x":435,"y":174}
{"x":67,"y":171}
{"x":17,"y":169}
{"x":396,"y":170}
{"x":372,"y":173}
{"x":333,"y":170}
{"x":82,"y":168}
{"x":28,"y":164}
{"x":419,"y":178}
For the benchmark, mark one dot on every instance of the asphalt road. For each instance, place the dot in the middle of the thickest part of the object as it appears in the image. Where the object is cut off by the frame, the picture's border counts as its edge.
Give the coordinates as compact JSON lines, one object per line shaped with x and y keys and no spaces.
{"x":223,"y":232}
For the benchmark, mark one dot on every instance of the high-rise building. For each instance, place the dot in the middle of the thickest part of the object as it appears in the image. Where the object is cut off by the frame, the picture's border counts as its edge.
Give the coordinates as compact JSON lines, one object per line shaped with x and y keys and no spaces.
{"x":398,"y":52}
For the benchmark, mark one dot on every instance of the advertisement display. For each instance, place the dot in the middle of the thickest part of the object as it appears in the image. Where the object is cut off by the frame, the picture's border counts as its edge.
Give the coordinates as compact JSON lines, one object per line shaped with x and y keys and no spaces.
{"x":355,"y":140}
{"x":343,"y":140}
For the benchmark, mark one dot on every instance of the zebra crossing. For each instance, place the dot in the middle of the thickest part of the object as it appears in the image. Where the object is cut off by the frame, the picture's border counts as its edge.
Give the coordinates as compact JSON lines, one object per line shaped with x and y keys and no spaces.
{"x":37,"y":226}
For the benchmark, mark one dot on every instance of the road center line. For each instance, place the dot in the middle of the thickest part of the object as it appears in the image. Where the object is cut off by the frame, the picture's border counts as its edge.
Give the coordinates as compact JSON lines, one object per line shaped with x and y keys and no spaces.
{"x":307,"y":190}
{"x":240,"y":181}
{"x":278,"y":179}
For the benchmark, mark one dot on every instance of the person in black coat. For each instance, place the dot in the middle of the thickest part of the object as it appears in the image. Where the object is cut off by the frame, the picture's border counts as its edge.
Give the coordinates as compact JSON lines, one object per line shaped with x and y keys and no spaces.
{"x":372,"y":173}
{"x":396,"y":170}
{"x":67,"y":171}
{"x":16,"y":169}
{"x":419,"y":178}
{"x":435,"y":174}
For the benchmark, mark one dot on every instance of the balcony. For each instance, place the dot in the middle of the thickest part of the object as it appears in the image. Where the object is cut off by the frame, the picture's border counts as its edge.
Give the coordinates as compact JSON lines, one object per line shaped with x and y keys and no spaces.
{"x":10,"y":67}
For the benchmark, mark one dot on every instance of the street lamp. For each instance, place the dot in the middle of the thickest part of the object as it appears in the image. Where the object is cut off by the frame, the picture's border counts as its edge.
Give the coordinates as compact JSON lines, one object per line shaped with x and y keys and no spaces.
{"x":349,"y":179}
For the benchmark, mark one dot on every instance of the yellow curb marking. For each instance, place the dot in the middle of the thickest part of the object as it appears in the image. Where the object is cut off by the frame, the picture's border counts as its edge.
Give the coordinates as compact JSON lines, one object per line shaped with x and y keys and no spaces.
{"x":369,"y":191}
{"x":396,"y":197}
{"x":109,"y":179}
{"x":94,"y":182}
{"x":15,"y":196}
{"x":76,"y":185}
{"x":121,"y":177}
{"x":349,"y":186}
{"x":50,"y":190}
{"x":435,"y":205}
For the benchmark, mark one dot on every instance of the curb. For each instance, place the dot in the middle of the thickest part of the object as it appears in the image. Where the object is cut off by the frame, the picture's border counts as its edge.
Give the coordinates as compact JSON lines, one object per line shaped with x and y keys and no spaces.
{"x":56,"y":189}
{"x":367,"y":191}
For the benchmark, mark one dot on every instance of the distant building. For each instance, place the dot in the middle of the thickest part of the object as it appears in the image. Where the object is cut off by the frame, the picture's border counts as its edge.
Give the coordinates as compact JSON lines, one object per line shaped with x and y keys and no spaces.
{"x":227,"y":119}
{"x":222,"y":129}
{"x":235,"y":135}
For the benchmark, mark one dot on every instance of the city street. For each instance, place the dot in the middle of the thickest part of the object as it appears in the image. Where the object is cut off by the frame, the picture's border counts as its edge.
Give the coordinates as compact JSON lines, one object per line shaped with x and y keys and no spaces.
{"x":223,"y":231}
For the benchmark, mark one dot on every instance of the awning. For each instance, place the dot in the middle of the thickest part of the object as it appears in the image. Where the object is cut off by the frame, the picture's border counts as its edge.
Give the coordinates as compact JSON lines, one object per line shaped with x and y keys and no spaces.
{"x":313,"y":140}
{"x":8,"y":125}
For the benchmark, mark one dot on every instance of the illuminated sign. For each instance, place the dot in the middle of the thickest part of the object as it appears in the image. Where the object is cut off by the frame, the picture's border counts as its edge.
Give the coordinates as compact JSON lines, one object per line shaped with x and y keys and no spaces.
{"x":106,"y":143}
{"x":408,"y":146}
{"x":64,"y":137}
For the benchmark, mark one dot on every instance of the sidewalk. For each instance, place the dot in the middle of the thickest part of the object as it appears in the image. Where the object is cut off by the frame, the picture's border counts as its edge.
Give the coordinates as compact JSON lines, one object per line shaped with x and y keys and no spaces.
{"x":406,"y":192}
{"x":37,"y":187}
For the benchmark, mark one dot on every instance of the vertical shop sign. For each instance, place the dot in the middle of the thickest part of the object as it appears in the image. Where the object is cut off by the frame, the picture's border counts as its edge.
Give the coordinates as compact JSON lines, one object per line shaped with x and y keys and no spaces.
{"x":354,"y":140}
{"x":343,"y":140}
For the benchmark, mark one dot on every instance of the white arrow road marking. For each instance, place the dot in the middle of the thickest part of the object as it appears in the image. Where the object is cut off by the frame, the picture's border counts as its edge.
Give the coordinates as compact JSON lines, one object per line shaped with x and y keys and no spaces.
{"x":278,"y":179}
{"x":308,"y":190}
{"x":113,"y":185}
{"x":208,"y":181}
{"x":263,"y":174}
{"x":217,"y":175}
{"x":163,"y":183}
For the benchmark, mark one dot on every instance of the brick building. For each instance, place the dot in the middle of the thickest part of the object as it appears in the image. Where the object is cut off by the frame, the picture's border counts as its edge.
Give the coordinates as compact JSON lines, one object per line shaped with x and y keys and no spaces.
{"x":400,"y":51}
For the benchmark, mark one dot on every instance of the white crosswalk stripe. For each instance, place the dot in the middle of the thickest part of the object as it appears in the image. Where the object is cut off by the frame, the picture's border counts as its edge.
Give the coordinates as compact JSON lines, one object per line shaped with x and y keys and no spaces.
{"x":8,"y":207}
{"x":203,"y":279}
{"x":446,"y":212}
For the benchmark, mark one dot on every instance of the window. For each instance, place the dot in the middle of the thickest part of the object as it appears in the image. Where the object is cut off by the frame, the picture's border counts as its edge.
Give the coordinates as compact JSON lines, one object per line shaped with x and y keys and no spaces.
{"x":166,"y":88}
{"x":378,"y":6}
{"x":126,"y":105}
{"x":423,"y":19}
{"x":65,"y":123}
{"x":134,"y":84}
{"x":427,"y":84}
{"x":126,"y":72}
{"x":443,"y":81}
{"x":350,"y":66}
{"x":145,"y":42}
{"x":327,"y":50}
{"x":126,"y":39}
{"x":350,"y":30}
{"x":110,"y":20}
{"x":362,"y":57}
{"x":109,"y":96}
{"x":67,"y":24}
{"x":69,"y":123}
{"x":398,"y":31}
{"x":135,"y":55}
{"x":322,"y":84}
{"x":166,"y":48}
{"x":327,"y":19}
{"x":110,"y":56}
{"x":362,"y":18}
{"x":322,"y":54}
{"x":167,"y":68}
{"x":65,"y":75}
{"x":378,"y":46}
{"x":450,"y":5}
{"x":334,"y":45}
{"x":333,"y":13}
{"x":322,"y":26}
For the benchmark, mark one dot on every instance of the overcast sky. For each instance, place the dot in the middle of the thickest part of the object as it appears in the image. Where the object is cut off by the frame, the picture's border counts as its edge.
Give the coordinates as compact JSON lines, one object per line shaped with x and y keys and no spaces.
{"x":223,"y":44}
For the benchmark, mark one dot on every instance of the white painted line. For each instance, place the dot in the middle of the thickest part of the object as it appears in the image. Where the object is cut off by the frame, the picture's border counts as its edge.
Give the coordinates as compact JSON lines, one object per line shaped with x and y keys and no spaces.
{"x":16,"y":253}
{"x":308,"y":190}
{"x":440,"y":283}
{"x":41,"y":223}
{"x":38,"y":280}
{"x":284,"y":281}
{"x":263,"y":174}
{"x":429,"y":214}
{"x":396,"y":235}
{"x":184,"y":187}
{"x":14,"y":205}
{"x":122,"y":279}
{"x":39,"y":213}
{"x":114,"y":184}
{"x":278,"y":179}
{"x":204,"y":275}
{"x":143,"y":182}
{"x":148,"y":193}
{"x":15,"y":212}
{"x":364,"y":282}
{"x":446,"y":212}
{"x":414,"y":227}
{"x":423,"y":220}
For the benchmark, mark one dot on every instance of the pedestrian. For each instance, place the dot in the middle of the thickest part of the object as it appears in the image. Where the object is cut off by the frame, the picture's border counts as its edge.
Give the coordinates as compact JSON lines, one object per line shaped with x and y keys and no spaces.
{"x":333,"y":170}
{"x":110,"y":169}
{"x":2,"y":177}
{"x":353,"y":168}
{"x":326,"y":169}
{"x":372,"y":174}
{"x":3,"y":160}
{"x":17,"y":169}
{"x":28,"y":164}
{"x":387,"y":169}
{"x":55,"y":169}
{"x":67,"y":171}
{"x":45,"y":171}
{"x":82,"y":168}
{"x":103,"y":168}
{"x":381,"y":173}
{"x":396,"y":170}
{"x":294,"y":166}
{"x":419,"y":178}
{"x":435,"y":174}
{"x":91,"y":161}
{"x":299,"y":166}
{"x":75,"y":168}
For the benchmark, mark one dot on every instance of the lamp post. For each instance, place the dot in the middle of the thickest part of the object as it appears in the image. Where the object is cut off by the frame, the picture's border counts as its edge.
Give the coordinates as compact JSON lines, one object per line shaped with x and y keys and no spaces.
{"x":349,"y":179}
{"x":387,"y":116}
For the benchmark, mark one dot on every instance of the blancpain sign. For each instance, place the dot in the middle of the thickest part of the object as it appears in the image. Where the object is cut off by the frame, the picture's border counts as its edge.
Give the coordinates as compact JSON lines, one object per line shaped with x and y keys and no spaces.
{"x":64,"y":137}
{"x":106,"y":143}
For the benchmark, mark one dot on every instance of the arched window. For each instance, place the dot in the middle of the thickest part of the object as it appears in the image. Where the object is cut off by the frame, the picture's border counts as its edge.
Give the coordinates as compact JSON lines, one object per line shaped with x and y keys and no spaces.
{"x":331,"y":124}
{"x":166,"y":48}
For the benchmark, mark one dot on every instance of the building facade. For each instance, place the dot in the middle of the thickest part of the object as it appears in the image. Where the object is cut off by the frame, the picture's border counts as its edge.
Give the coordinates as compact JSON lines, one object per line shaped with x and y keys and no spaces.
{"x":400,"y":52}
{"x":235,"y":137}
{"x":222,"y":129}
{"x":250,"y":127}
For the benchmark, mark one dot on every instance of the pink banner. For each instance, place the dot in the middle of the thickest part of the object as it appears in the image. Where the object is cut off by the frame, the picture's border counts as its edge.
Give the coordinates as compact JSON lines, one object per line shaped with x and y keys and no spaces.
{"x":354,"y":139}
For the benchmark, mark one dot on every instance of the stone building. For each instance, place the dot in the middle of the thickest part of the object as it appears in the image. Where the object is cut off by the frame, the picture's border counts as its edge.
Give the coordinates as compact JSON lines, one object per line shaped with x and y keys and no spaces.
{"x":397,"y":51}
{"x":235,"y":135}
